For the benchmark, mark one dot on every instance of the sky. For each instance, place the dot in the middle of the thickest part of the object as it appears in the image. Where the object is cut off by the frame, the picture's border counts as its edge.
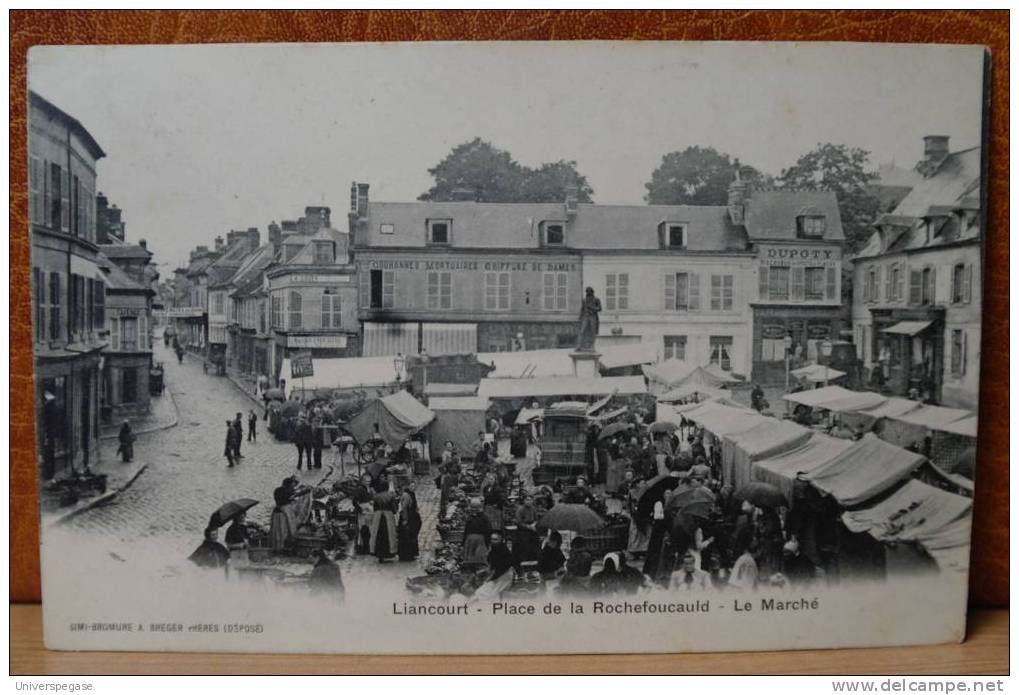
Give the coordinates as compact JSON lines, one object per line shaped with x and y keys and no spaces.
{"x":204,"y":139}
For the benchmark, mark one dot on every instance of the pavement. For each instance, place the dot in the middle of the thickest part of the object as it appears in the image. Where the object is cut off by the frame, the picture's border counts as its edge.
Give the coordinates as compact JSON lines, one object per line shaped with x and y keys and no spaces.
{"x":162,"y":415}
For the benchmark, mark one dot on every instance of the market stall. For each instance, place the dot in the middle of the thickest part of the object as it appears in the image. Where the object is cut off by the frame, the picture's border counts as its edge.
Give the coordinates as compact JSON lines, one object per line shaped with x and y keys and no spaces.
{"x":817,"y":374}
{"x":915,"y":428}
{"x":782,"y":470}
{"x":865,"y":469}
{"x":766,"y":439}
{"x":623,"y":360}
{"x":671,"y":374}
{"x":458,"y":420}
{"x":867,"y":419}
{"x":392,"y":420}
{"x":526,"y":364}
{"x":919,"y":514}
{"x":339,"y":373}
{"x":560,"y":386}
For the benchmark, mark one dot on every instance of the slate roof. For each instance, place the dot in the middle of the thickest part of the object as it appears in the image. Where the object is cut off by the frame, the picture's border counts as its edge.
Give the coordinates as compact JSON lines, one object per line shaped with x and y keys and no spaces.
{"x":124,"y":251}
{"x":116,"y":279}
{"x":771,"y":214}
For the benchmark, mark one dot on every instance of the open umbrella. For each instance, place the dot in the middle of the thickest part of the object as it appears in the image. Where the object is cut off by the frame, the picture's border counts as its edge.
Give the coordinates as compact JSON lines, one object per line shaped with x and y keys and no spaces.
{"x":692,"y":495}
{"x":229,"y":510}
{"x":762,"y":494}
{"x":690,"y":517}
{"x":614,"y":429}
{"x":664,"y":428}
{"x":578,"y":518}
{"x":275,"y":395}
{"x":654,"y":492}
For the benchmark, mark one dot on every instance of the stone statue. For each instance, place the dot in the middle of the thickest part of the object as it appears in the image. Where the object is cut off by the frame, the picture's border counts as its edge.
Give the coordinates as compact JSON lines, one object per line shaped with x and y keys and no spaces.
{"x":588,"y":321}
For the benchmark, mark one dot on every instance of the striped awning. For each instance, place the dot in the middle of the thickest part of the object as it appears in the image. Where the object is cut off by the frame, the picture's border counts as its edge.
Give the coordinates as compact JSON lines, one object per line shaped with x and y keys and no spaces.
{"x":382,"y":339}
{"x":907,"y":327}
{"x":449,"y":338}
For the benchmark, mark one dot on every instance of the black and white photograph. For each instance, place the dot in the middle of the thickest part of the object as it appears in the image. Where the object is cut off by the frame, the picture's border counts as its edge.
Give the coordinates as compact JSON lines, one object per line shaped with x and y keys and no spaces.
{"x":517,"y":347}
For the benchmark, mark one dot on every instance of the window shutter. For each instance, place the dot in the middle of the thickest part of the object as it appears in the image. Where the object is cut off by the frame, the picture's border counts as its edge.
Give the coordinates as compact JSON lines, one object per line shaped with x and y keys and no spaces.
{"x":115,"y":334}
{"x":832,"y":285}
{"x":695,"y":291}
{"x":762,"y":282}
{"x":365,"y":287}
{"x":915,"y":286}
{"x":798,"y":280}
{"x":143,"y":333}
{"x":670,"y":291}
{"x":548,"y":292}
{"x":900,"y":289}
{"x":962,"y":362}
{"x":967,"y":287}
{"x":65,"y":202}
{"x":933,"y":286}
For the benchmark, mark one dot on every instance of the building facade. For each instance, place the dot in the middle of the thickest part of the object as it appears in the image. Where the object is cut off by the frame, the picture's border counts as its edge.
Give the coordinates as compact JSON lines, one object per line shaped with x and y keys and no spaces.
{"x":127,"y":357}
{"x":463,"y":277}
{"x":917,"y":284}
{"x":311,"y":288}
{"x":219,"y":278}
{"x":249,"y":339}
{"x":68,"y":288}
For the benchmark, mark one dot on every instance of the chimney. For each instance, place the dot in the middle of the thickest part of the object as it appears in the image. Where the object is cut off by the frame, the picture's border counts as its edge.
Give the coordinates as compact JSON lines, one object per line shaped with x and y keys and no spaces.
{"x":571,"y":200}
{"x":144,"y":244}
{"x":275,"y":234}
{"x":219,"y":243}
{"x":254,"y":238}
{"x":362,"y":200}
{"x":935,"y":150}
{"x":737,"y":197}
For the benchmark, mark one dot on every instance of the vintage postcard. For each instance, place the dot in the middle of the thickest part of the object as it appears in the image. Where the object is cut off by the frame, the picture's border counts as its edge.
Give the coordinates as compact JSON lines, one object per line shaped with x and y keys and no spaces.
{"x":506,"y":347}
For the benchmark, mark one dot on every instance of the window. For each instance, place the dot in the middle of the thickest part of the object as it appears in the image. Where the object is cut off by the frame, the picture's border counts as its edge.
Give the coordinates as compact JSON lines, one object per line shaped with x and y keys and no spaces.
{"x":295,"y":310}
{"x":56,"y":178}
{"x":75,"y":191}
{"x":962,"y":283}
{"x":440,"y":290}
{"x":778,"y":283}
{"x":39,"y":304}
{"x":675,"y":347}
{"x":77,"y":309}
{"x":497,"y":291}
{"x":555,"y":234}
{"x":958,"y":352}
{"x":721,"y":292}
{"x":330,"y":309}
{"x":682,"y":292}
{"x":892,"y":286}
{"x":128,"y":333}
{"x":814,"y":284}
{"x":832,"y":284}
{"x":772,"y":349}
{"x":721,"y":351}
{"x":439,"y":231}
{"x":554,"y":291}
{"x":128,"y":385}
{"x":927,"y":287}
{"x":35,"y":188}
{"x":382,"y":290}
{"x":277,"y":311}
{"x":54,"y":297}
{"x":386,"y":228}
{"x":115,"y":334}
{"x":617,"y":291}
{"x":261,"y":317}
{"x":325,"y":253}
{"x":673,"y":235}
{"x":810,"y":226}
{"x":217,"y":303}
{"x":870,"y":286}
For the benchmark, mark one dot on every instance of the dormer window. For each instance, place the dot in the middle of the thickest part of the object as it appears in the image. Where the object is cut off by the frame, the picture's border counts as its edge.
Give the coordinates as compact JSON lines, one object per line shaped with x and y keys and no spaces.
{"x":672,"y":235}
{"x":325,"y":253}
{"x":810,"y":226}
{"x":553,"y":234}
{"x":439,"y":232}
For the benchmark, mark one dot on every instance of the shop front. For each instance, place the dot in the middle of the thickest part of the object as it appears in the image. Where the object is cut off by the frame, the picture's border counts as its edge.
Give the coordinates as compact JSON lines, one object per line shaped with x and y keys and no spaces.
{"x":909,"y":352}
{"x":807,"y":327}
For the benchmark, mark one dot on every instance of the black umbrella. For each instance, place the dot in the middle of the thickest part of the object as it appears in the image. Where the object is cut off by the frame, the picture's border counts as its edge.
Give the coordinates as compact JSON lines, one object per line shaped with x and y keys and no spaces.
{"x":275,"y":395}
{"x":690,"y":496}
{"x":654,"y":492}
{"x":614,"y":429}
{"x":229,"y":510}
{"x":572,"y":517}
{"x":762,"y":494}
{"x":690,"y":517}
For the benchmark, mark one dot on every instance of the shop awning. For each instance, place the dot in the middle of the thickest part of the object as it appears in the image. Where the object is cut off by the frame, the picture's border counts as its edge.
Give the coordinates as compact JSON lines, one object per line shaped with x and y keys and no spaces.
{"x":435,"y":388}
{"x":893,"y":407}
{"x":722,"y":420}
{"x":560,"y":386}
{"x":907,"y":327}
{"x":398,"y":417}
{"x":836,"y":398}
{"x":933,"y":417}
{"x":817,"y":373}
{"x":449,"y":338}
{"x":614,"y":356}
{"x":528,"y":363}
{"x":342,"y":373}
{"x":459,"y":403}
{"x":967,"y":427}
{"x":782,"y":470}
{"x":915,"y":512}
{"x":389,"y":339}
{"x":867,"y":468}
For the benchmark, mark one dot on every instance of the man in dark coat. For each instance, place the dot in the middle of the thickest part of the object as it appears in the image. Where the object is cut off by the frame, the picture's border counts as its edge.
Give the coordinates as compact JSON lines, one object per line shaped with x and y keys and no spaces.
{"x":252,"y":423}
{"x":302,"y":438}
{"x":228,"y":446}
{"x":238,"y":435}
{"x":126,"y":440}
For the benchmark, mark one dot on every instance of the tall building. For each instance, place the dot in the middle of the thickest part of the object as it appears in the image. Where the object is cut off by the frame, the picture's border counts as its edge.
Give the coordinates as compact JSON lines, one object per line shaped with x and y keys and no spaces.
{"x":250,"y":342}
{"x":917,"y":284}
{"x":68,"y":287}
{"x":218,"y":275}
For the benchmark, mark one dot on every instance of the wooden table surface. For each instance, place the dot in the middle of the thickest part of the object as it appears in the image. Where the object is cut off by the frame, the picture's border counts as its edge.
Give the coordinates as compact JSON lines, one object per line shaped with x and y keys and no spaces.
{"x":985,"y":651}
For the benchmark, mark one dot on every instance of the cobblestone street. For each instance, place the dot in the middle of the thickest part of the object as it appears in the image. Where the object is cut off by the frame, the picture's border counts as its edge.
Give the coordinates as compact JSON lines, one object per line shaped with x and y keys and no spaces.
{"x":187,"y":476}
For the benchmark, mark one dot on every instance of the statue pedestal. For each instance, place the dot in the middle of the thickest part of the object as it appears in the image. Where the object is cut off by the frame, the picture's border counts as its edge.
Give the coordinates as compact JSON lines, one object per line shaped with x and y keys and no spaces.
{"x":585,"y":364}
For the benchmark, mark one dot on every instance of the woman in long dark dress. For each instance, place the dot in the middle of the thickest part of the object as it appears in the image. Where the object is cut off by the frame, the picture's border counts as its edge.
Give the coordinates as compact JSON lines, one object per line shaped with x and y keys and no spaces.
{"x":383,"y":525}
{"x":657,"y":548}
{"x":408,"y":526}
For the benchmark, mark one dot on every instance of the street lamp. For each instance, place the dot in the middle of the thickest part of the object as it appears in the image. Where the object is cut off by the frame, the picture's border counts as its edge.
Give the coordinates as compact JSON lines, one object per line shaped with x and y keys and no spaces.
{"x":826,"y":348}
{"x":788,"y":344}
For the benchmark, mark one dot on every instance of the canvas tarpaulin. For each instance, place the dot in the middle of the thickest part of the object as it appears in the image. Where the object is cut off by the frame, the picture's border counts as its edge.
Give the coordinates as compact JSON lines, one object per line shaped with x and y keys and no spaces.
{"x":836,"y":398}
{"x":614,"y":356}
{"x":913,"y":427}
{"x":560,"y":386}
{"x":781,"y":470}
{"x":333,"y":373}
{"x":916,"y":512}
{"x":672,"y":374}
{"x":398,"y":416}
{"x":867,"y":468}
{"x":768,"y":438}
{"x":721,"y":420}
{"x":865,"y":419}
{"x":528,"y":363}
{"x":457,"y":420}
{"x":687,"y":390}
{"x":817,"y":373}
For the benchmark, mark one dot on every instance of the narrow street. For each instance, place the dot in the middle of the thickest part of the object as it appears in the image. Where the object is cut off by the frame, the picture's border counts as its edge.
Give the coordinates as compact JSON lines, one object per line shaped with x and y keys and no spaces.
{"x":187,"y":477}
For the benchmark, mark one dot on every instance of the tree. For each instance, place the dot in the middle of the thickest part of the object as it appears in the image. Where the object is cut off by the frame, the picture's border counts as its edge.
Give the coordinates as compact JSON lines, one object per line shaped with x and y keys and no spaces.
{"x":484,"y":173}
{"x":842,"y":170}
{"x":696,"y":176}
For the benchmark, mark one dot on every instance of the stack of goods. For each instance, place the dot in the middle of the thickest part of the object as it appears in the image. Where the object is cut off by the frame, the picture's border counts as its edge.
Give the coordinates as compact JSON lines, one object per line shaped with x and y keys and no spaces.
{"x":451,"y":527}
{"x":445,"y":560}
